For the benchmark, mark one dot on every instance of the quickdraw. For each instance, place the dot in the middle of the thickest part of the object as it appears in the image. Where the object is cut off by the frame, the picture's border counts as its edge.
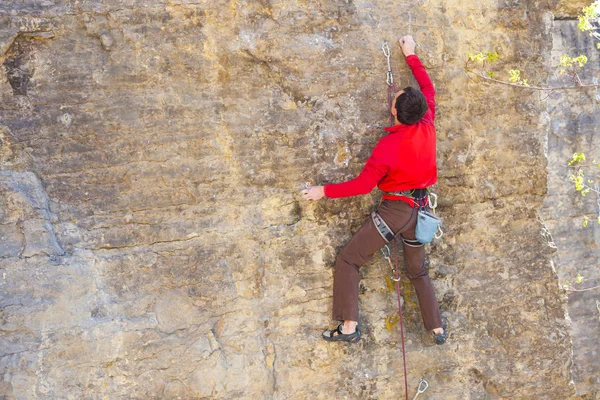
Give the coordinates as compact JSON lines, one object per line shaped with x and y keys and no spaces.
{"x":385,"y":250}
{"x":391,"y":86}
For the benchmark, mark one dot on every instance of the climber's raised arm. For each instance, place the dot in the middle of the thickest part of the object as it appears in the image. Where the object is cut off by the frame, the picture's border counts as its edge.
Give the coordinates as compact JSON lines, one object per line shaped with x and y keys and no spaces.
{"x":407,"y":44}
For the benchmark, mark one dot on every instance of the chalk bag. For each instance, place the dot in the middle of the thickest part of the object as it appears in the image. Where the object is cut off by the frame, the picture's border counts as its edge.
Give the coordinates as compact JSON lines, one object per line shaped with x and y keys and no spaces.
{"x":427,"y":225}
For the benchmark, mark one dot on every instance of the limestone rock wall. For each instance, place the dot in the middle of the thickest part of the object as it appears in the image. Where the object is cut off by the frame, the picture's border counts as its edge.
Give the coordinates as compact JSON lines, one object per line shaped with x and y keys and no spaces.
{"x":574,"y":121}
{"x":569,"y":9}
{"x":154,"y":243}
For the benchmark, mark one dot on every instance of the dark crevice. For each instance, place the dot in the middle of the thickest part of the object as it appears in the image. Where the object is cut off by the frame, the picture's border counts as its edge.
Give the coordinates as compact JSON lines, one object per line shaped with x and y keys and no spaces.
{"x":18,"y":57}
{"x":565,"y":18}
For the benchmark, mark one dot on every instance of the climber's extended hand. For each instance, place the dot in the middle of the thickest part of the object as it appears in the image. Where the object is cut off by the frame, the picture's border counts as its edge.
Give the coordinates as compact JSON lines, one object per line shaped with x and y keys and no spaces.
{"x":313,"y":193}
{"x":407,"y":44}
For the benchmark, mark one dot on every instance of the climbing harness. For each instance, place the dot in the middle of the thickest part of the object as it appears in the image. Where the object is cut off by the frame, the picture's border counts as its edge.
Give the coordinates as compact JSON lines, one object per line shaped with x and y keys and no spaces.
{"x":413,"y":194}
{"x":428,"y":224}
{"x":383,"y":229}
{"x":420,"y":390}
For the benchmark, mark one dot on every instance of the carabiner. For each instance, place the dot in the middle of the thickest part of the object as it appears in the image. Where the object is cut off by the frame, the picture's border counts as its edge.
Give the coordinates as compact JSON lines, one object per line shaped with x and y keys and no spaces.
{"x":419,"y":390}
{"x":422,"y":381}
{"x":389,"y":79}
{"x":386,"y":49}
{"x":386,"y":254}
{"x":433,"y":205}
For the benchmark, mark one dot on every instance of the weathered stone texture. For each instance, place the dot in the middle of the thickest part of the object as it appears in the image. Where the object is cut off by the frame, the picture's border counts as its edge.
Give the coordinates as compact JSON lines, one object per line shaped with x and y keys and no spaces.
{"x":154,"y":150}
{"x":570,"y":9}
{"x":574,"y":121}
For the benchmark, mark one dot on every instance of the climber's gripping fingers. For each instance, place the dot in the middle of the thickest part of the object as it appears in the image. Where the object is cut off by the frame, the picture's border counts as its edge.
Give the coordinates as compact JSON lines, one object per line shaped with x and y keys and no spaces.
{"x":407,"y":44}
{"x":313,"y":193}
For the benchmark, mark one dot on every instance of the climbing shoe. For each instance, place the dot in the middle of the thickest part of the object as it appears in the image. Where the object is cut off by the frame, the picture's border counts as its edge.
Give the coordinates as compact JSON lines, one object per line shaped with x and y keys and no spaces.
{"x":440,"y":338}
{"x":331,"y":336}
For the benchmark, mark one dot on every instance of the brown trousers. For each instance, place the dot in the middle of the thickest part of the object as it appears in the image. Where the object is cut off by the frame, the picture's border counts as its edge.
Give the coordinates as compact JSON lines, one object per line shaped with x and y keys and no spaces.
{"x":402,"y":219}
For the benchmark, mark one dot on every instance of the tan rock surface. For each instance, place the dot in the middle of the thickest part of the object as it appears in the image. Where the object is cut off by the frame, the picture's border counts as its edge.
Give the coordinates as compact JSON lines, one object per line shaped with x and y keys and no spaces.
{"x":570,"y":9}
{"x":574,"y":127}
{"x":173,"y":257}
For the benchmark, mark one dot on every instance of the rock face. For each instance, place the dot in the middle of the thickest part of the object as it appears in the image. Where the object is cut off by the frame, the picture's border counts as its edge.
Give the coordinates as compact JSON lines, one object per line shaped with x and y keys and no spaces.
{"x":154,"y":243}
{"x":569,"y":9}
{"x":574,"y":121}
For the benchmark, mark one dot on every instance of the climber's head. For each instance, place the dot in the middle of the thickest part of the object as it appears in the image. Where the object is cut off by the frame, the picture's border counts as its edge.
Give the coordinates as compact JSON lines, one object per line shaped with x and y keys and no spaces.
{"x":409,"y":106}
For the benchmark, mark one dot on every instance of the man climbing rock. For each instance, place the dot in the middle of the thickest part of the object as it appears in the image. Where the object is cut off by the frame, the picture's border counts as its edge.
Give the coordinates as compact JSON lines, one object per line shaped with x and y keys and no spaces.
{"x":403,"y":165}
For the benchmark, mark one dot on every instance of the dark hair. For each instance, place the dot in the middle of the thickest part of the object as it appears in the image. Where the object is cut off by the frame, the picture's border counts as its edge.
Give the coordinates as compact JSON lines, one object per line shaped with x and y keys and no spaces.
{"x":410,"y":106}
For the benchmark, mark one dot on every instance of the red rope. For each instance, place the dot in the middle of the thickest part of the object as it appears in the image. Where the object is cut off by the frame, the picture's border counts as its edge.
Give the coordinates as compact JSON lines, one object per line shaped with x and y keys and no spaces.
{"x":391,"y":92}
{"x":396,"y":271}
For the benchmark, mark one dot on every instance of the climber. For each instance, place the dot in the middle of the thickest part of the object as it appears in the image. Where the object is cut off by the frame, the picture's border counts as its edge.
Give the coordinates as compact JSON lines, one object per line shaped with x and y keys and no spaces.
{"x":402,"y":165}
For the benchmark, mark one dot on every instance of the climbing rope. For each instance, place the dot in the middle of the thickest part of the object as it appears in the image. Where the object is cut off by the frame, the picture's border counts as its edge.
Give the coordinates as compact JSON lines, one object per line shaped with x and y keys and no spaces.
{"x":396,"y":279}
{"x":391,"y":91}
{"x":385,"y":250}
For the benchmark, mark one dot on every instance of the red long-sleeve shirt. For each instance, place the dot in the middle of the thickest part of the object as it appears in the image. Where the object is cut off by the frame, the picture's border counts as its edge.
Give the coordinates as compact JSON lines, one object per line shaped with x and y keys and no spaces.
{"x":402,"y":160}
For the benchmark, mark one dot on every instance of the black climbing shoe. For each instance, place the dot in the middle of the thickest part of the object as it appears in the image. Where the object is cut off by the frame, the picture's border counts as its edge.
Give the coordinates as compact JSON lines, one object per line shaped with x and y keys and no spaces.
{"x":341,"y":337}
{"x":440,"y":338}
